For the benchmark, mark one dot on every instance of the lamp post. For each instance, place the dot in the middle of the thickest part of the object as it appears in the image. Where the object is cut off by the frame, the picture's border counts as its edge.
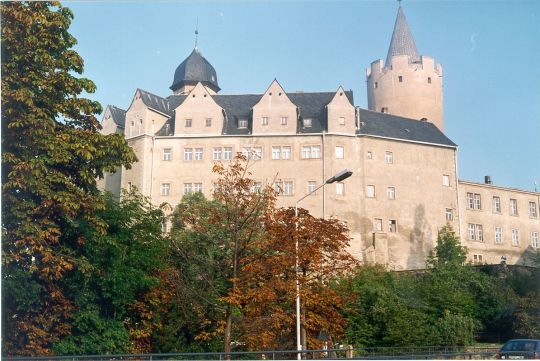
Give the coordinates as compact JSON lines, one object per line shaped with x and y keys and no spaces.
{"x":344,"y":174}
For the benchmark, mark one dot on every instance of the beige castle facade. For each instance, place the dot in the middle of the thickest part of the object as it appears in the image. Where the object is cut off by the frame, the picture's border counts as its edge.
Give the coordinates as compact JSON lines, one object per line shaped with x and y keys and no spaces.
{"x":404,"y":186}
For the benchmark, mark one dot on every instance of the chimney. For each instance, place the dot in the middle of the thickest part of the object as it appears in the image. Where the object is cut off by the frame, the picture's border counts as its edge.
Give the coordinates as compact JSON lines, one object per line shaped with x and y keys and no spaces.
{"x":487,"y":179}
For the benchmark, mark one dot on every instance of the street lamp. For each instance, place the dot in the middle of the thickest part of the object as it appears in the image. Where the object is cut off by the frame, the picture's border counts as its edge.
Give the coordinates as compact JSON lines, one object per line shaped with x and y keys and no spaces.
{"x":344,"y":174}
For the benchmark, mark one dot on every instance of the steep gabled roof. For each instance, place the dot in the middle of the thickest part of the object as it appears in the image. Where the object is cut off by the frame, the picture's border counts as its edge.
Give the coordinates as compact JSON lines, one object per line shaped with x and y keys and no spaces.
{"x":237,"y":107}
{"x":392,"y":126}
{"x":402,"y":42}
{"x":118,"y":115}
{"x":155,"y":102}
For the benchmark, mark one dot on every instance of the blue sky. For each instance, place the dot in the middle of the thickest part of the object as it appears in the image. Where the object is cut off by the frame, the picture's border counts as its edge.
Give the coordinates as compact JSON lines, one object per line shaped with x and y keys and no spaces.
{"x":490,"y":52}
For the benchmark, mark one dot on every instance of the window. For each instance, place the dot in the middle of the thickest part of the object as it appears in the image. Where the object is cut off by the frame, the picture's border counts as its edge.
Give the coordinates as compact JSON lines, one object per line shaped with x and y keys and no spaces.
{"x":311,"y":186}
{"x":534,"y":239}
{"x":369,"y":155}
{"x":377,"y":225}
{"x":341,"y":121}
{"x":392,"y":225}
{"x":264,"y":121}
{"x":188,"y":153}
{"x":449,"y":214}
{"x":370,"y":191}
{"x":208,"y":122}
{"x":446,"y":180}
{"x":308,"y":122}
{"x":257,"y":153}
{"x":479,"y":233}
{"x":477,"y":201}
{"x":129,"y":186}
{"x":532,"y":210}
{"x":197,"y":187}
{"x":376,"y":85}
{"x":256,"y":187}
{"x":246,"y":152}
{"x":286,"y":152}
{"x":311,"y":151}
{"x":288,"y":188}
{"x":429,"y":80}
{"x":217,"y":153}
{"x":227,"y":153}
{"x":167,"y":154}
{"x":388,"y":157}
{"x":472,"y":232}
{"x":340,"y":187}
{"x":188,"y":188}
{"x":391,"y":192}
{"x":252,"y":153}
{"x":164,"y":226}
{"x":496,"y":204}
{"x":278,"y":187}
{"x":242,"y":123}
{"x":276,"y":152}
{"x":478,"y":259}
{"x":188,"y":123}
{"x":400,"y":78}
{"x":283,"y":120}
{"x":165,"y":189}
{"x":198,"y":154}
{"x":470,"y":201}
{"x":498,"y":235}
{"x":339,"y":152}
{"x":515,"y":237}
{"x":384,"y":110}
{"x":513,"y":207}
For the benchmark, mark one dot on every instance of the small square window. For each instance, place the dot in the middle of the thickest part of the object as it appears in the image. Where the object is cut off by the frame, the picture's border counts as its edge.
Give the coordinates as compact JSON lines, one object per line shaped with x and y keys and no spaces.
{"x":340,"y":188}
{"x":391,"y":192}
{"x":446,"y":180}
{"x":188,"y":123}
{"x":242,"y":123}
{"x":377,"y":225}
{"x":283,"y":120}
{"x":369,"y":155}
{"x":370,"y":191}
{"x":264,"y":121}
{"x":388,"y":157}
{"x":392,"y":225}
{"x":167,"y":152}
{"x":400,"y":78}
{"x":341,"y":121}
{"x":339,"y":152}
{"x":308,"y":122}
{"x":208,"y":122}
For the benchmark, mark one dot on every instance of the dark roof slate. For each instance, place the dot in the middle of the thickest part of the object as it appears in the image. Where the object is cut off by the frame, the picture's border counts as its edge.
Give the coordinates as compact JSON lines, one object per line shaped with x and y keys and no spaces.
{"x":392,"y":126}
{"x":195,"y":68}
{"x":237,"y":107}
{"x":402,"y":42}
{"x":155,"y":102}
{"x":118,"y":115}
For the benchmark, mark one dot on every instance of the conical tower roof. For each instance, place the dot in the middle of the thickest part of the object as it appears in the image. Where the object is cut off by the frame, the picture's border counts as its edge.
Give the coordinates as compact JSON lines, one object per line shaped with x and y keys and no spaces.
{"x":402,"y":42}
{"x":195,"y":68}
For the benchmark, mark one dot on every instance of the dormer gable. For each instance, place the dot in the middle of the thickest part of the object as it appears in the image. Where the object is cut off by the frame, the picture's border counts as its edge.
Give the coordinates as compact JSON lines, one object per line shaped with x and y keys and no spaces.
{"x":198,"y":114}
{"x":341,"y":114}
{"x":113,"y":120}
{"x":274,"y":112}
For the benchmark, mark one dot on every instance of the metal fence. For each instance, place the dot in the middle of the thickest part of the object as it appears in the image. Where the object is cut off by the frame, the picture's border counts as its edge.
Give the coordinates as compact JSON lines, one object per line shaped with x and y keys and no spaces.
{"x":370,"y":353}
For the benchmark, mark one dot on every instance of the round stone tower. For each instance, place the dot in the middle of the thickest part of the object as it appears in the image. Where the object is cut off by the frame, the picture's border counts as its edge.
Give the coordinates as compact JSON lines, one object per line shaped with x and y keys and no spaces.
{"x":407,"y":84}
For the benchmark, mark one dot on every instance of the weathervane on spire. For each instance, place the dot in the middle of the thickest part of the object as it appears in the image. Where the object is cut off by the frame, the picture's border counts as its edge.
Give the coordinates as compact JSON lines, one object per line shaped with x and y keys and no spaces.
{"x":197,"y":33}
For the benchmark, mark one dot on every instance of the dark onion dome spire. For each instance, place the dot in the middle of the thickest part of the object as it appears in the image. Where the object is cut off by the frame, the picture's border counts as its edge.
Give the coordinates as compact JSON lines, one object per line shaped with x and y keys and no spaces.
{"x":402,"y":42}
{"x":193,"y":70}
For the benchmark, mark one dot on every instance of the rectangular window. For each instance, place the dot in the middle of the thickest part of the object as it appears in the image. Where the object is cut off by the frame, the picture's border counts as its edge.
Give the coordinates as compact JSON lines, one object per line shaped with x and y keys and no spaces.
{"x":470,"y":201}
{"x":446,"y":180}
{"x":341,"y":120}
{"x":227,"y":153}
{"x":198,"y":154}
{"x":369,"y":155}
{"x":496,"y":204}
{"x":384,"y":110}
{"x":533,"y":210}
{"x":449,"y":214}
{"x":400,"y":78}
{"x":308,"y":122}
{"x":315,"y":151}
{"x":256,"y":187}
{"x":264,"y":121}
{"x":188,"y":154}
{"x":377,"y":225}
{"x":257,"y":153}
{"x":392,"y":225}
{"x":217,"y":153}
{"x":376,"y":85}
{"x":188,"y":188}
{"x":498,"y":235}
{"x":391,"y":192}
{"x":208,"y":122}
{"x":388,"y":157}
{"x":515,"y":237}
{"x":187,"y":123}
{"x":370,"y":191}
{"x":472,"y":232}
{"x":276,"y":152}
{"x":477,"y":201}
{"x":534,"y":239}
{"x":283,"y":120}
{"x":286,"y":152}
{"x":478,"y":259}
{"x":513,"y":207}
{"x":165,"y":189}
{"x":429,"y":80}
{"x":288,"y":188}
{"x":339,"y":152}
{"x":479,"y":233}
{"x":242,"y":123}
{"x":340,"y":188}
{"x":129,"y":186}
{"x":167,"y":154}
{"x":197,"y":187}
{"x":278,"y":187}
{"x":246,"y":152}
{"x":164,"y":226}
{"x":311,"y":186}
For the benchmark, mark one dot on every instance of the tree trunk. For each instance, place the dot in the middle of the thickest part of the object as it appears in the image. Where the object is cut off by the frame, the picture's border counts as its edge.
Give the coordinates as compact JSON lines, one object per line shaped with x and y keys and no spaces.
{"x":227,"y":335}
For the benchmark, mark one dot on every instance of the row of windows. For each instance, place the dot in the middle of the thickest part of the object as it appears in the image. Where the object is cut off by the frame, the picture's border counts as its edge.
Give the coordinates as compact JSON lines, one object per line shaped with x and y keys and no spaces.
{"x":390,"y":192}
{"x":378,"y":225}
{"x":400,"y":79}
{"x":476,"y":233}
{"x":243,"y":123}
{"x":474,"y":201}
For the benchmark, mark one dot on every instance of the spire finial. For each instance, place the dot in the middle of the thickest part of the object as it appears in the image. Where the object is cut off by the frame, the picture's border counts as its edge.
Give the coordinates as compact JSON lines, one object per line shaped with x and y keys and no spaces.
{"x":197,"y":34}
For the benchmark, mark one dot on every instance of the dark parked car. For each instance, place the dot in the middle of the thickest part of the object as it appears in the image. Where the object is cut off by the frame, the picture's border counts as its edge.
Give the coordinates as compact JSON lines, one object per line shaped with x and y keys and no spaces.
{"x":520,"y":349}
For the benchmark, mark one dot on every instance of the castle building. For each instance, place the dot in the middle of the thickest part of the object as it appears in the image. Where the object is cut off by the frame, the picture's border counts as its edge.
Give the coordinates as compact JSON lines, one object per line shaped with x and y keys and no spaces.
{"x":404,"y":186}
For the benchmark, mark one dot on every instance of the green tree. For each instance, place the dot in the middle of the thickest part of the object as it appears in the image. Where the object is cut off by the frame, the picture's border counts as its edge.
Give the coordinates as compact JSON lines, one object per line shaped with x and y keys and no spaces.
{"x":52,"y":154}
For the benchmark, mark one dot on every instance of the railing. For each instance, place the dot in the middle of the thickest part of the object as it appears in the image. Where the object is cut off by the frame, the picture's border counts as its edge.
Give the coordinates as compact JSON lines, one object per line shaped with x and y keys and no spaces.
{"x":371,"y":353}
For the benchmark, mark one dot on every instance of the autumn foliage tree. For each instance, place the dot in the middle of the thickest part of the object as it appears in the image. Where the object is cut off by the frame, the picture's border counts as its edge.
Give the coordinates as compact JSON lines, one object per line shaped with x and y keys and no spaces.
{"x":52,"y":154}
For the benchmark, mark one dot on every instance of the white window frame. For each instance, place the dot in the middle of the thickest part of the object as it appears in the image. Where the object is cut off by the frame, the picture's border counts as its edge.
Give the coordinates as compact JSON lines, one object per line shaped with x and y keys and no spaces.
{"x":311,"y":186}
{"x":470,"y":200}
{"x":472,"y":232}
{"x":377,"y":225}
{"x":288,"y":188}
{"x":307,"y":122}
{"x":284,"y":120}
{"x":198,"y":154}
{"x":513,"y":207}
{"x":188,"y":154}
{"x":242,"y":123}
{"x":216,"y":154}
{"x":533,"y":210}
{"x":227,"y":153}
{"x":391,"y":192}
{"x":188,"y":188}
{"x":534,"y":239}
{"x":340,"y":188}
{"x":388,"y":157}
{"x":479,"y":233}
{"x":165,"y":189}
{"x":197,"y":187}
{"x":276,"y":152}
{"x":392,"y":225}
{"x":340,"y":152}
{"x":449,"y":214}
{"x":515,"y":237}
{"x":286,"y":152}
{"x":370,"y":191}
{"x":446,"y":180}
{"x":477,"y":201}
{"x":496,"y":204}
{"x":167,"y":154}
{"x":264,"y":121}
{"x":498,"y":235}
